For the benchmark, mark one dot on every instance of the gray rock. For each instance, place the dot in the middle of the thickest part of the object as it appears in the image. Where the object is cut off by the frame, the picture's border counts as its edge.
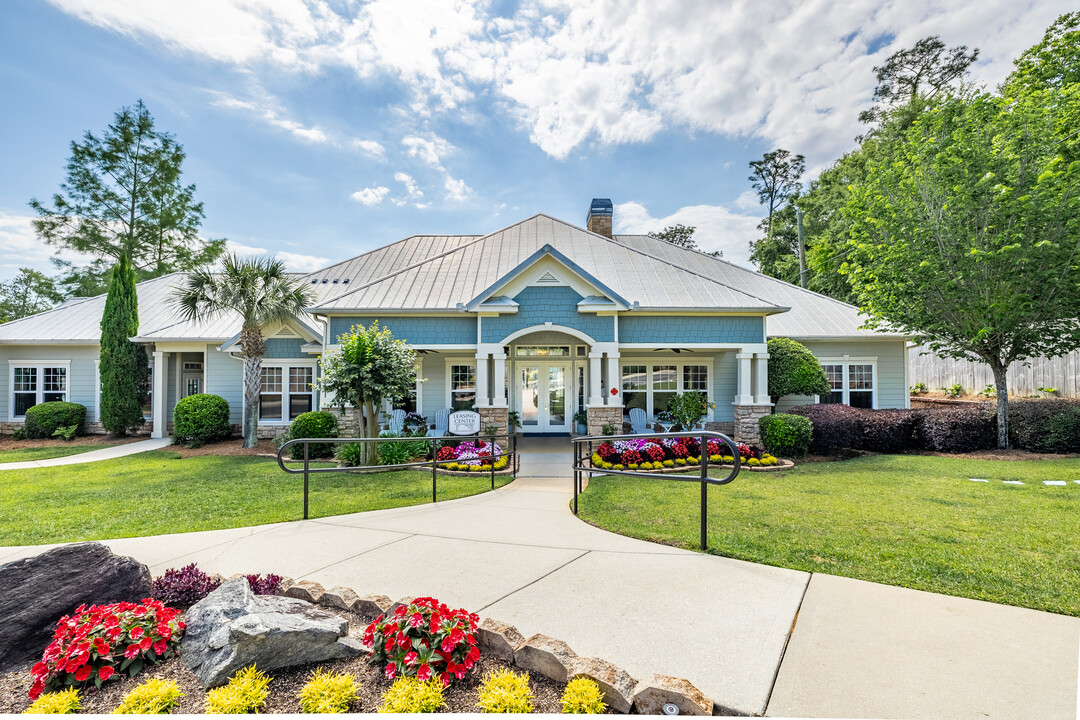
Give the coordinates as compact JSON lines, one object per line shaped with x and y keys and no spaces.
{"x":232,"y":628}
{"x":498,"y":639}
{"x":305,"y":590}
{"x":616,"y":684}
{"x":547,"y":656}
{"x":370,"y":607}
{"x":655,"y":691}
{"x":285,"y":584}
{"x":38,"y":591}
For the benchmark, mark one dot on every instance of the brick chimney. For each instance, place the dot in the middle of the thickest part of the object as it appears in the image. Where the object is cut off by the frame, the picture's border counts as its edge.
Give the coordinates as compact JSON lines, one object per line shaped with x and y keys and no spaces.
{"x":600,"y":214}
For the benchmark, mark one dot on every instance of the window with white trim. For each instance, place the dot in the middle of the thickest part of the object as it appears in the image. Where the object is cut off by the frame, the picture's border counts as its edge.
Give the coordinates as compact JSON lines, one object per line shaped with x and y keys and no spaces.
{"x":462,"y":386}
{"x":286,"y":392}
{"x":34,"y":384}
{"x":651,"y":386}
{"x":411,"y":402}
{"x":852,"y":383}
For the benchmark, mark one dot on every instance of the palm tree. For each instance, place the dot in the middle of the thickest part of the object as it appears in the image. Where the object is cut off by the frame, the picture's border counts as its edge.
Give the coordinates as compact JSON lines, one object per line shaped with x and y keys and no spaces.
{"x":262,"y":293}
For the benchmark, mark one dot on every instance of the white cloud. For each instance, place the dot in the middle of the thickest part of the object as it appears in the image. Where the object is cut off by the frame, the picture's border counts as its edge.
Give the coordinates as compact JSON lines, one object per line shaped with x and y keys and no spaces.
{"x":370,"y":147}
{"x":370,"y":196}
{"x":456,"y":190}
{"x":747,"y":200}
{"x":611,"y":71}
{"x":271,"y":115}
{"x":429,"y":150}
{"x":717,"y":227}
{"x":239,"y":248}
{"x":301,"y":263}
{"x":21,"y":248}
{"x":412,"y":190}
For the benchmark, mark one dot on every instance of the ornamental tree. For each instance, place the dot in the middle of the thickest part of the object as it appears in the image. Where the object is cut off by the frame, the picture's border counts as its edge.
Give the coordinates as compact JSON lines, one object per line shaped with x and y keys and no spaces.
{"x":124,"y":365}
{"x":794,"y":370}
{"x":369,"y":366}
{"x":966,"y":227}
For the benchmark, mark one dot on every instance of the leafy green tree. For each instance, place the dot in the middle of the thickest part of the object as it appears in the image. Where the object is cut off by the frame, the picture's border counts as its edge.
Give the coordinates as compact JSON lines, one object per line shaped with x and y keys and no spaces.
{"x":683,"y":236}
{"x":922,"y":71}
{"x":369,"y":366}
{"x":124,"y":365}
{"x":776,"y":177}
{"x":1052,"y":63}
{"x":776,"y":254}
{"x":794,"y":370}
{"x":123,"y":196}
{"x":966,"y":229}
{"x":261,"y":292}
{"x":26,"y":294}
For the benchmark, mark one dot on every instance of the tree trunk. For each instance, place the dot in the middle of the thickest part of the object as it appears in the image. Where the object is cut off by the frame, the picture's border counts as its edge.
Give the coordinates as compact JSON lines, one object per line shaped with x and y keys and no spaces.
{"x":1001,"y":384}
{"x":371,"y":429}
{"x":252,"y":385}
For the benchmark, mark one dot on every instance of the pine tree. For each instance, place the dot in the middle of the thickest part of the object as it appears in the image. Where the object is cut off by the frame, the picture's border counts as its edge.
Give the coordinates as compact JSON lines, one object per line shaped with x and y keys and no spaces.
{"x":124,"y":365}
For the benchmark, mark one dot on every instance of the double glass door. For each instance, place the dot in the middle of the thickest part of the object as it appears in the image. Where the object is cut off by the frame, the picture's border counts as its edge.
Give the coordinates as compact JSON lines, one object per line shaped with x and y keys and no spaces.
{"x":543,"y":397}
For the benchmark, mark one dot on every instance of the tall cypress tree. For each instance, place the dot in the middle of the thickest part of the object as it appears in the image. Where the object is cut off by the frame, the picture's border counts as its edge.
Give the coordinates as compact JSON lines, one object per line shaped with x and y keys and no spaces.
{"x":124,"y":366}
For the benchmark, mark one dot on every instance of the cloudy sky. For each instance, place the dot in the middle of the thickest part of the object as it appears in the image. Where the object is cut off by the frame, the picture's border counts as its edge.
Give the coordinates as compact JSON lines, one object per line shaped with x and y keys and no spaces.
{"x":318,"y":129}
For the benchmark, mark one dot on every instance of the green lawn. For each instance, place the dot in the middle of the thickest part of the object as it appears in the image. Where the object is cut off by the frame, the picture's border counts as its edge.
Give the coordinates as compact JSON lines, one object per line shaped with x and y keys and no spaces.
{"x":44,"y":453}
{"x":158,"y":492}
{"x":914,"y":521}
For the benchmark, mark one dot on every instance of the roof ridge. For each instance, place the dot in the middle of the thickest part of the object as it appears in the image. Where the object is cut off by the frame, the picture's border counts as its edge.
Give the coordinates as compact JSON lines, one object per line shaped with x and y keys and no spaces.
{"x":753,"y":272}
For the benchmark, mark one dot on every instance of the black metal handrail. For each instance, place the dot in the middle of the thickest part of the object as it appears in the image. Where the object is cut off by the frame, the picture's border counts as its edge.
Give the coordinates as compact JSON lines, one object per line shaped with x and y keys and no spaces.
{"x":433,"y":462}
{"x":703,"y":437}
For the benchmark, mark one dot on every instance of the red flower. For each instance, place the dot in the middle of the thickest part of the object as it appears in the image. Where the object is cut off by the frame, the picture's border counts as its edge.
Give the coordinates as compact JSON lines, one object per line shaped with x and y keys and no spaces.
{"x":391,"y":671}
{"x":389,"y":646}
{"x":83,"y":673}
{"x":135,"y":632}
{"x":35,"y":689}
{"x":410,"y":658}
{"x":445,"y":677}
{"x":39,"y":669}
{"x":105,"y":673}
{"x":132,"y":651}
{"x":101,"y":646}
{"x":145,"y":643}
{"x":416,"y":620}
{"x":424,"y":673}
{"x":160,"y":647}
{"x":113,"y":633}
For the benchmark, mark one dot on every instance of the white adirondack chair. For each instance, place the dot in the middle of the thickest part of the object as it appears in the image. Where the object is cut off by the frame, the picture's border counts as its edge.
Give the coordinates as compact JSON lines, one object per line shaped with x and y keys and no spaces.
{"x":442,"y":422}
{"x":639,"y":421}
{"x":395,"y":421}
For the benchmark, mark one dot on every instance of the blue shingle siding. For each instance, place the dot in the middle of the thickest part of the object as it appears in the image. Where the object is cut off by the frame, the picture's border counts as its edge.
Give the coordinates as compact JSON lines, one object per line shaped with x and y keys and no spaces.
{"x":557,"y":305}
{"x":285,"y":348}
{"x":441,"y":330}
{"x":691,"y":329}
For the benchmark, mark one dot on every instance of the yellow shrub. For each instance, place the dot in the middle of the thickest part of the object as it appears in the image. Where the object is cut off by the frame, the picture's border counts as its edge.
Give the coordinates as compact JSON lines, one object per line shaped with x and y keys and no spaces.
{"x":680,"y":461}
{"x":243,"y":695}
{"x":729,"y":458}
{"x":715,"y":458}
{"x":328,"y":692}
{"x":669,"y":463}
{"x":153,"y":697}
{"x":596,"y":459}
{"x":503,"y":691}
{"x":608,"y":466}
{"x":753,"y":462}
{"x":617,"y":466}
{"x":55,"y":703}
{"x":476,"y":468}
{"x":409,"y":695}
{"x":582,"y":696}
{"x":633,"y":466}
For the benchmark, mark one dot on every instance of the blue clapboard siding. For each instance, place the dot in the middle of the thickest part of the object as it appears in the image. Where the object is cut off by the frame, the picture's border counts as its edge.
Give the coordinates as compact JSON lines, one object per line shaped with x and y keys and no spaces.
{"x":724,"y":386}
{"x":891,"y":356}
{"x":440,"y":330}
{"x":224,"y":376}
{"x":676,"y":329}
{"x":557,"y":305}
{"x":82,"y":373}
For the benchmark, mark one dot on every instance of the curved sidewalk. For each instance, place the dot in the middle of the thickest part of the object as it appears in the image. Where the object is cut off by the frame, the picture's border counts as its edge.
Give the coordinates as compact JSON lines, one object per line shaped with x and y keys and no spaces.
{"x":517,"y":554}
{"x":109,"y":453}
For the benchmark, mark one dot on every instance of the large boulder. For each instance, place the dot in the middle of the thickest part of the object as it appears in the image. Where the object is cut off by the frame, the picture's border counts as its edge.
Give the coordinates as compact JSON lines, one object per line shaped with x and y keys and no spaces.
{"x":232,"y":628}
{"x":36,"y":592}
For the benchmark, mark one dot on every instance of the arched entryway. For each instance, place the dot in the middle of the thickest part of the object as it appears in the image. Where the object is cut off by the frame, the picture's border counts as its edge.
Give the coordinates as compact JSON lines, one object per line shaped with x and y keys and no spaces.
{"x":547,"y":379}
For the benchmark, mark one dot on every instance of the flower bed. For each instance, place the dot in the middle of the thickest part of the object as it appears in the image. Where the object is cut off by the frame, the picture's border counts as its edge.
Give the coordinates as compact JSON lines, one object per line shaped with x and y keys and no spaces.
{"x":472,"y":456}
{"x":675,"y":454}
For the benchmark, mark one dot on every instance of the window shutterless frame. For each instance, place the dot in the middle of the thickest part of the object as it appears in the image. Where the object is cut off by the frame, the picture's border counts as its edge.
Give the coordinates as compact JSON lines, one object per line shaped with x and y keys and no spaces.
{"x":32,"y":382}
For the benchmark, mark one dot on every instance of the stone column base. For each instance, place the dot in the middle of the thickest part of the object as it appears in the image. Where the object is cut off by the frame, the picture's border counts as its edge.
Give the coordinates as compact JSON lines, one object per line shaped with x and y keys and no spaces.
{"x":746,"y":423}
{"x":601,"y":416}
{"x":499,"y":416}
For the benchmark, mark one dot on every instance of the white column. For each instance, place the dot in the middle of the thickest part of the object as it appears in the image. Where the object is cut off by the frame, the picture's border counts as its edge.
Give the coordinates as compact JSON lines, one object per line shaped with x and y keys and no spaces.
{"x":482,"y":399}
{"x":498,"y":381}
{"x":744,"y":397}
{"x":158,"y":400}
{"x":761,"y":379}
{"x":614,"y":379}
{"x":596,"y":393}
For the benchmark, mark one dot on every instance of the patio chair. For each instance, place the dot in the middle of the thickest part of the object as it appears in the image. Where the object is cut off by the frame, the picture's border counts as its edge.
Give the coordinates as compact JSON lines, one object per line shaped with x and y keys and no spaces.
{"x":395,"y":421}
{"x":442,"y":422}
{"x":639,"y":421}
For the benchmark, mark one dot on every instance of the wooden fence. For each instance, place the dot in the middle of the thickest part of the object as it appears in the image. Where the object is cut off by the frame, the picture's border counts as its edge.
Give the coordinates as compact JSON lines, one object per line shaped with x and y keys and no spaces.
{"x":938,"y":372}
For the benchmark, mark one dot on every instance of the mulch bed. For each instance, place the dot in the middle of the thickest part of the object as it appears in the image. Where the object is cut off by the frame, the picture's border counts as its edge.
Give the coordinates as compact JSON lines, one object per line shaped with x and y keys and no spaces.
{"x":230,"y":447}
{"x":9,"y":443}
{"x":284,"y":689}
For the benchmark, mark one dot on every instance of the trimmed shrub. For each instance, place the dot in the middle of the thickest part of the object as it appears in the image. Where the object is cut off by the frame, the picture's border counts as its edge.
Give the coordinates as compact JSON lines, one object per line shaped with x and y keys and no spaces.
{"x":958,"y":429}
{"x":315,"y":424}
{"x":183,"y":587}
{"x":794,"y":370}
{"x":44,"y":419}
{"x":62,"y":702}
{"x":410,"y":695}
{"x":835,"y":427}
{"x":244,"y":694}
{"x":200,"y":419}
{"x":582,"y":696}
{"x":505,"y":691}
{"x":890,"y":431}
{"x":153,"y":697}
{"x":1045,"y":426}
{"x":786,"y":435}
{"x":328,"y":692}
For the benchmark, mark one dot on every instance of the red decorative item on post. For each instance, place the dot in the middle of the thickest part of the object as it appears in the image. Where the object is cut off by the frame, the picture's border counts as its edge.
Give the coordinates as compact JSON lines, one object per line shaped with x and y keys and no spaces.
{"x":614,"y":391}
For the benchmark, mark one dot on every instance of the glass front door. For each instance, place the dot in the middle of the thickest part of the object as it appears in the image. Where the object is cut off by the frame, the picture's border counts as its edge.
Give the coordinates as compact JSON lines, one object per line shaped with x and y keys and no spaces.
{"x":543,"y":397}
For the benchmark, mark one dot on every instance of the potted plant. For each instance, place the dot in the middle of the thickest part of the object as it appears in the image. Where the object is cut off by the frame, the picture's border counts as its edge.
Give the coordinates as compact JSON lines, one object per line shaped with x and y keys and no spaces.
{"x":513,"y":419}
{"x":581,"y":418}
{"x":688,"y":409}
{"x":416,"y":423}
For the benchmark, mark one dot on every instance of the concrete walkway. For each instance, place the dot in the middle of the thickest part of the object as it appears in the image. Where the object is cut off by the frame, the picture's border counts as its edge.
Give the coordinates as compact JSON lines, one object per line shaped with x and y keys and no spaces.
{"x":109,"y":453}
{"x":757,"y":639}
